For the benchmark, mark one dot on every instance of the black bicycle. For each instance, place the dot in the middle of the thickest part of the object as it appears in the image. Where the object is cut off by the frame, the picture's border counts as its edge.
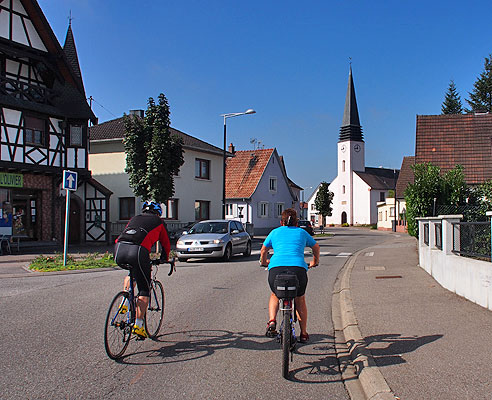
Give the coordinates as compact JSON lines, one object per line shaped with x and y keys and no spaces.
{"x":286,"y":286}
{"x":122,"y":313}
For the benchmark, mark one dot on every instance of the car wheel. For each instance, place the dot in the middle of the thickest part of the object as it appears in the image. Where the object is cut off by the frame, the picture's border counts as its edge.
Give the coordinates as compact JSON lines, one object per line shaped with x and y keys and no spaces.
{"x":247,"y":253}
{"x":227,"y":253}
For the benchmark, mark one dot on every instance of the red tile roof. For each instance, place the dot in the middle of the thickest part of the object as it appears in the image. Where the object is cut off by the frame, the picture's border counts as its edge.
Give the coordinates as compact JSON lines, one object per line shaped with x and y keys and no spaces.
{"x":405,"y":177}
{"x":447,"y":140}
{"x":244,"y":171}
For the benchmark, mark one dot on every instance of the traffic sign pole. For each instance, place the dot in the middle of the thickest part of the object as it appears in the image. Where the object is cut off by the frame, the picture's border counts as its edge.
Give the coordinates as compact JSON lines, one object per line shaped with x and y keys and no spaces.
{"x":67,"y":218}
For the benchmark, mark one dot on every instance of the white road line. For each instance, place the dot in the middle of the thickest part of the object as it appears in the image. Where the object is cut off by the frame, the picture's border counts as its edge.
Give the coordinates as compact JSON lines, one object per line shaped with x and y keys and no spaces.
{"x":370,"y":254}
{"x":344,"y":254}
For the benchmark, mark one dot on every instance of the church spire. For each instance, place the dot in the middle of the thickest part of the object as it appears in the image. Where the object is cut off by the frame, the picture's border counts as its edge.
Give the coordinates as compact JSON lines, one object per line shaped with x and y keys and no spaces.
{"x":351,"y":129}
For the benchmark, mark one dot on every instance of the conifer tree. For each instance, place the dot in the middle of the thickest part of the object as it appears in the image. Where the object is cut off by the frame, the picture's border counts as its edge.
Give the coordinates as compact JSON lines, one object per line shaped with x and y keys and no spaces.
{"x":452,"y":101}
{"x":481,"y":96}
{"x":153,"y":154}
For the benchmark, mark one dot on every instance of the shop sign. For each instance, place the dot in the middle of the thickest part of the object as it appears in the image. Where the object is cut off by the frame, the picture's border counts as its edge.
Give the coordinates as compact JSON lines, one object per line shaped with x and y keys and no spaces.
{"x":11,"y":180}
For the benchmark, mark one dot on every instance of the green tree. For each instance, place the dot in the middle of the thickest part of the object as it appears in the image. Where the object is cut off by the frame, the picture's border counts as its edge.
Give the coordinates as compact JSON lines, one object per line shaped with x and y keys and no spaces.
{"x":455,"y":191}
{"x":420,"y":195}
{"x":323,"y":200}
{"x":452,"y":101}
{"x":153,"y":154}
{"x":481,"y":96}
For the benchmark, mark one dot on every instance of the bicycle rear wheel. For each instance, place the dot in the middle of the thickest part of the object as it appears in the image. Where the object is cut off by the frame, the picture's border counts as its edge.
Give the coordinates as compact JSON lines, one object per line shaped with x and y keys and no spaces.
{"x":118,"y":328}
{"x":286,"y":336}
{"x":155,"y":311}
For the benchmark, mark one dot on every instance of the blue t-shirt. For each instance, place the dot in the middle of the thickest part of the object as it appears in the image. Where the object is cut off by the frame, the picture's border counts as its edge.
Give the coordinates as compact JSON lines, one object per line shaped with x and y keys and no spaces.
{"x":288,"y":243}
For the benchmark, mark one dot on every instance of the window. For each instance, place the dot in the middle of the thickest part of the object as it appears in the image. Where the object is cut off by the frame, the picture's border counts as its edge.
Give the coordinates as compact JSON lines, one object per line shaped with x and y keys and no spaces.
{"x":202,"y":168}
{"x":343,"y":166}
{"x":313,"y":207}
{"x":170,"y":210}
{"x":202,"y":209}
{"x":343,"y":189}
{"x":380,"y":216}
{"x":263,"y":209}
{"x":280,"y":209}
{"x":76,"y":135}
{"x":237,"y":225}
{"x":382,"y":196}
{"x":229,"y":209}
{"x":392,"y":211}
{"x":35,"y":131}
{"x":127,"y":207}
{"x":273,"y":184}
{"x":385,"y":215}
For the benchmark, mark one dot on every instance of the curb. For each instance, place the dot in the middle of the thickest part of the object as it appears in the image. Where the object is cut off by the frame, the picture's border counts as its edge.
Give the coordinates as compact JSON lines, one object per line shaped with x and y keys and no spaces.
{"x":361,"y":375}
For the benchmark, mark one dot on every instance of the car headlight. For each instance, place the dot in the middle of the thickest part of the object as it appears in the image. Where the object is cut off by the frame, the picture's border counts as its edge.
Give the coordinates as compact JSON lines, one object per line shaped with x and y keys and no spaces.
{"x":218,"y":241}
{"x":180,"y":242}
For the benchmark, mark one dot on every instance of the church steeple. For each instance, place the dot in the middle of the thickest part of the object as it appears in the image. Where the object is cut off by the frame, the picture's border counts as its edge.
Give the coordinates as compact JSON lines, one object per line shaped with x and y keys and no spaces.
{"x":351,"y":129}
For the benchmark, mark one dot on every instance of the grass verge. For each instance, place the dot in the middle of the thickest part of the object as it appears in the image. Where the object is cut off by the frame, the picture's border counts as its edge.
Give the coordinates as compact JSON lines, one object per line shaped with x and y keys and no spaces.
{"x":52,"y":263}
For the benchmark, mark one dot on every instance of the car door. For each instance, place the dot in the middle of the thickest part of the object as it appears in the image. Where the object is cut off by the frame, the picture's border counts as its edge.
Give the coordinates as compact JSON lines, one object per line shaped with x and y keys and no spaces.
{"x":235,"y":237}
{"x":243,"y":236}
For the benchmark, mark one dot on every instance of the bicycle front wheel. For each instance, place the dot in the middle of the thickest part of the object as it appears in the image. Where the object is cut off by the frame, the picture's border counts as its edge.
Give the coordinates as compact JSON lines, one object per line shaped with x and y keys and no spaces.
{"x":118,"y":328}
{"x":155,"y":311}
{"x":286,"y":337}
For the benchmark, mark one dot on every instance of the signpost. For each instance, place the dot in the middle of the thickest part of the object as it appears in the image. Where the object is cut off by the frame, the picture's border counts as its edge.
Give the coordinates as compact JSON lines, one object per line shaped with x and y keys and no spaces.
{"x":69,"y":184}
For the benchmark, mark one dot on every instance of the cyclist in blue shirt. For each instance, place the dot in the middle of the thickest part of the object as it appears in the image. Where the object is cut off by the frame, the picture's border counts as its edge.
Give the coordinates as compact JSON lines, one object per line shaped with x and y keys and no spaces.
{"x":288,"y":243}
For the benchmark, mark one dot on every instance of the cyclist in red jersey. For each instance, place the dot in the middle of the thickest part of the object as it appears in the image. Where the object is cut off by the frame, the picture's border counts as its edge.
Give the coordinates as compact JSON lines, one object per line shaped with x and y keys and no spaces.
{"x":133,"y":248}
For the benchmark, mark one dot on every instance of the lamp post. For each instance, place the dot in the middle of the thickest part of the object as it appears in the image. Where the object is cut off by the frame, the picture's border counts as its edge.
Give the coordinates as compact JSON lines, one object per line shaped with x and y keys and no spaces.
{"x":229,"y":115}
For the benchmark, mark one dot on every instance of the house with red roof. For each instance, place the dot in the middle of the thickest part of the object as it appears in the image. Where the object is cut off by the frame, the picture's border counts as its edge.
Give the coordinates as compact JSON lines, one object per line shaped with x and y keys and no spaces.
{"x":258,"y":189}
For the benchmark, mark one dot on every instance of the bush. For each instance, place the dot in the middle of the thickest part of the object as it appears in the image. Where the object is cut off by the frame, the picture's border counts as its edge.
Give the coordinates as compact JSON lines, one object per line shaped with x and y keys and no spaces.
{"x":345,"y":224}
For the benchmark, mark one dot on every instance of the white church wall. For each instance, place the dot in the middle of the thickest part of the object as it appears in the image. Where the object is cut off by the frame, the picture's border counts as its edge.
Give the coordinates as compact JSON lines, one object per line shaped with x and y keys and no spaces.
{"x":362,"y":202}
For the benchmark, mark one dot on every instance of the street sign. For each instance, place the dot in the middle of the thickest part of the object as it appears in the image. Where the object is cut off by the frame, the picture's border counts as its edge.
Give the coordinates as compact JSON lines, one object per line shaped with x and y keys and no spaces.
{"x":69,"y":180}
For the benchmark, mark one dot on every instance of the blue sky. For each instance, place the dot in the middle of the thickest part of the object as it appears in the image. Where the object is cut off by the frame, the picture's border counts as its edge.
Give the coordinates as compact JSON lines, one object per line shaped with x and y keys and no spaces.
{"x":287,"y":60}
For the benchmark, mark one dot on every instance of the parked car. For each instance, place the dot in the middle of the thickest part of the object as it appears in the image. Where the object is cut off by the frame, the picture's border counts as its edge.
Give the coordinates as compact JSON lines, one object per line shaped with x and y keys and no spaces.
{"x":214,"y":238}
{"x":306,"y":225}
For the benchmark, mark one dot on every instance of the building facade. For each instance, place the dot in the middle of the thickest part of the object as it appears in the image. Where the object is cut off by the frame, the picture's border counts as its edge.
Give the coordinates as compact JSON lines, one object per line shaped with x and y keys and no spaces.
{"x":43,"y":130}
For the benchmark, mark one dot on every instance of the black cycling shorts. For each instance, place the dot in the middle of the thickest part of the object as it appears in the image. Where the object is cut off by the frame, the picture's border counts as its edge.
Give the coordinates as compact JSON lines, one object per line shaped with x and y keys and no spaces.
{"x":138,"y":257}
{"x":300,"y":272}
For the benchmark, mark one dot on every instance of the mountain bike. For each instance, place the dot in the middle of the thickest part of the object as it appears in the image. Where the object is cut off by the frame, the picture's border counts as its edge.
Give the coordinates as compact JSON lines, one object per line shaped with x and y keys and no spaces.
{"x":122,"y":313}
{"x":286,"y":286}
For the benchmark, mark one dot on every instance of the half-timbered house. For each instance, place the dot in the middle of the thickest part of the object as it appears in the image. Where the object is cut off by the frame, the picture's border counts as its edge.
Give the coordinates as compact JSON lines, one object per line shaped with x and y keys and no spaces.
{"x":44,"y":120}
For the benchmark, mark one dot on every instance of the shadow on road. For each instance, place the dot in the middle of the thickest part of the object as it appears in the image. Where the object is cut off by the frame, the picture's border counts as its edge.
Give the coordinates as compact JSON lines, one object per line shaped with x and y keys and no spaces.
{"x":319,"y":363}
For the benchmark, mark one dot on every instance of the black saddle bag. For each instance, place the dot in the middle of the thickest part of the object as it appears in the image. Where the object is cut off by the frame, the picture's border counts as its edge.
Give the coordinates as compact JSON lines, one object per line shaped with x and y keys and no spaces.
{"x":286,"y":286}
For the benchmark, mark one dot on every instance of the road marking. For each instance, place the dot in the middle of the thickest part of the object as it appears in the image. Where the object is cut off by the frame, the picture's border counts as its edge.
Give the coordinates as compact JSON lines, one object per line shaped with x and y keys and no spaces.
{"x":344,"y":254}
{"x":370,"y":254}
{"x":374,"y":268}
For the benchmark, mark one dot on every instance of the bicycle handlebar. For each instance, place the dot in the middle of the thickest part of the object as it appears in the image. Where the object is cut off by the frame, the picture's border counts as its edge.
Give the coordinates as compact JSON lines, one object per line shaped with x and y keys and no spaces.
{"x":171,"y":262}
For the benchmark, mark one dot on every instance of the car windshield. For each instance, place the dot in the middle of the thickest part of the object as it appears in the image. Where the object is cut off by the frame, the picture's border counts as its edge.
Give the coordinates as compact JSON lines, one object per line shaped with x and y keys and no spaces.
{"x":209,"y":227}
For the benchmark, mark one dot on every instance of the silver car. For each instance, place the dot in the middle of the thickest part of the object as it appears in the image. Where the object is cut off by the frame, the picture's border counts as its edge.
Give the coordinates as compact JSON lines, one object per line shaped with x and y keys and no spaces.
{"x":214,"y":238}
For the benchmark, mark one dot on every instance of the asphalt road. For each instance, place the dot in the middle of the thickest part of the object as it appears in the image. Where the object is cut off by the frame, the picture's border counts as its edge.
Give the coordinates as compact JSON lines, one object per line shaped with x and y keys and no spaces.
{"x":211,"y":345}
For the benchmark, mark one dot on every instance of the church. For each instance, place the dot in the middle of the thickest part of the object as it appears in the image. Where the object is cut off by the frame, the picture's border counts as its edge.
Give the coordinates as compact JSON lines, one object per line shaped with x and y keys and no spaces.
{"x":357,"y":189}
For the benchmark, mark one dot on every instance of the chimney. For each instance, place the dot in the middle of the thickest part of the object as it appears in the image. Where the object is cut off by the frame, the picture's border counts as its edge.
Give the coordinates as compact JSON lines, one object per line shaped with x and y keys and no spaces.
{"x":138,"y":113}
{"x":232,"y":149}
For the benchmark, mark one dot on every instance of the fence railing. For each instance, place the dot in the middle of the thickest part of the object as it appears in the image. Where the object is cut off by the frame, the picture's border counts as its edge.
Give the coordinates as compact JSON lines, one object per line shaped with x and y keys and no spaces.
{"x":472,"y":239}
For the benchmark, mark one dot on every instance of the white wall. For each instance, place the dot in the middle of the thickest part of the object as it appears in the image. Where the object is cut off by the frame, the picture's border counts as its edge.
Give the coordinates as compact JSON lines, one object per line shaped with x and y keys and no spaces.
{"x":469,"y":278}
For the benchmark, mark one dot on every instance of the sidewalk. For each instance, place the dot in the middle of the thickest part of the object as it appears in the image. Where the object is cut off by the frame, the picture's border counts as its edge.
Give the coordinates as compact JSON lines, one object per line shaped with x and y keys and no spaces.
{"x":417,"y":340}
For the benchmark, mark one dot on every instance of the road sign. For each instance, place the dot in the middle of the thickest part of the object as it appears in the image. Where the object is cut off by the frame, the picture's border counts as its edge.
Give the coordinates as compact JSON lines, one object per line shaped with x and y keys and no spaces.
{"x":69,"y":180}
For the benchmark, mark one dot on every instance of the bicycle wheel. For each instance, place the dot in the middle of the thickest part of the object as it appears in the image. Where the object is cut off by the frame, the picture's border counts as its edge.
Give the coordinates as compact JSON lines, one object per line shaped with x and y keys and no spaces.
{"x":155,"y":311}
{"x":118,"y":328}
{"x":286,"y":336}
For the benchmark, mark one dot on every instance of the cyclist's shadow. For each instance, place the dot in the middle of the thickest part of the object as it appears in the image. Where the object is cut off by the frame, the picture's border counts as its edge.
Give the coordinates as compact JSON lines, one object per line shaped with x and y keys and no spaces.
{"x":175,"y":347}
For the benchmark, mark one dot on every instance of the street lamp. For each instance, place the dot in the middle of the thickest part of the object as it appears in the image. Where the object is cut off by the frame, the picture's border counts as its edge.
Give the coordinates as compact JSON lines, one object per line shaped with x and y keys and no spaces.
{"x":229,"y":115}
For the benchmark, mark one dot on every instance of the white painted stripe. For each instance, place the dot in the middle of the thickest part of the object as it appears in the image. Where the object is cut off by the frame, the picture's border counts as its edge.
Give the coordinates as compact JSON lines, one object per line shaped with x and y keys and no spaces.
{"x":370,"y":254}
{"x":344,"y":254}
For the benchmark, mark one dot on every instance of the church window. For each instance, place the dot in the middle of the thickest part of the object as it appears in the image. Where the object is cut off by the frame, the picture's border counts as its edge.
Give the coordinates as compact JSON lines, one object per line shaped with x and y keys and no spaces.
{"x":343,"y":189}
{"x":343,"y":166}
